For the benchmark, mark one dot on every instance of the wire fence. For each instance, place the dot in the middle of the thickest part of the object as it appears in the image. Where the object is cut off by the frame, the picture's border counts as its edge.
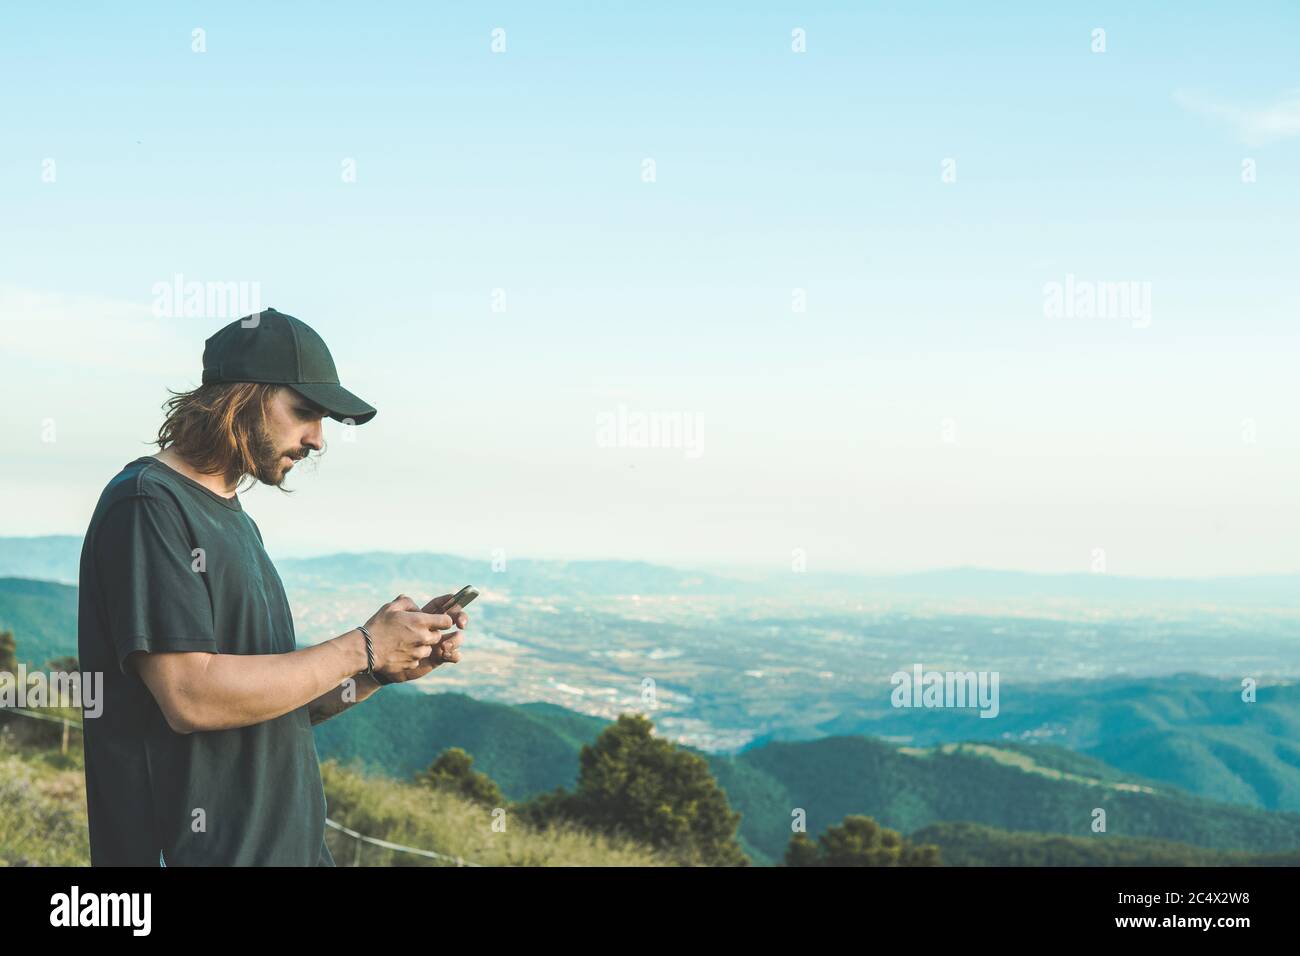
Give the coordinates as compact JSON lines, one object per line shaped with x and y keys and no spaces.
{"x":67,"y":722}
{"x":361,"y":838}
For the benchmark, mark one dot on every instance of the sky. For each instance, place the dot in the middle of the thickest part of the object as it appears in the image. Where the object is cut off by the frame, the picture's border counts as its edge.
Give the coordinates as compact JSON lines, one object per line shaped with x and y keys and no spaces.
{"x":823,"y":241}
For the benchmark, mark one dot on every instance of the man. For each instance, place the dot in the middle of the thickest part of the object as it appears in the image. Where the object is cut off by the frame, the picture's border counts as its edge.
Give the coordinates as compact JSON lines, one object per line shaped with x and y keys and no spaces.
{"x":203,"y":753}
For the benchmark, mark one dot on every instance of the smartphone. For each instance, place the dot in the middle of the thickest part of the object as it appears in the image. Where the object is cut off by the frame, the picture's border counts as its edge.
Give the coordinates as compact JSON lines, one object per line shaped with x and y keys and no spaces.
{"x":461,"y":597}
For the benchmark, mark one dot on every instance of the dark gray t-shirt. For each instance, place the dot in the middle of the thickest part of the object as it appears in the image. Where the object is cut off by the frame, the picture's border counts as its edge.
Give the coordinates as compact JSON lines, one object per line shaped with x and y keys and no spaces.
{"x":249,"y":796}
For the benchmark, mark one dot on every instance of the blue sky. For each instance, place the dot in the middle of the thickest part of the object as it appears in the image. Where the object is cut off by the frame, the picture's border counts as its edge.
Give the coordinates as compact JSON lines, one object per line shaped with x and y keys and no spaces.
{"x":921,"y":412}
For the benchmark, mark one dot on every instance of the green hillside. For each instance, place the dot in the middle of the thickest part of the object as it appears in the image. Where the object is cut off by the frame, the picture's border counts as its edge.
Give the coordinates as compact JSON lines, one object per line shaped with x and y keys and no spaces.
{"x":42,"y":616}
{"x":527,"y":750}
{"x":1005,"y":786}
{"x":972,"y":844}
{"x":1188,"y":730}
{"x":576,"y":728}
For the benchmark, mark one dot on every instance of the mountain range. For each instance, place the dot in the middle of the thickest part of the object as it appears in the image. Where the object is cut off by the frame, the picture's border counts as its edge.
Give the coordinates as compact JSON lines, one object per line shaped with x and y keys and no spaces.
{"x":56,"y":558}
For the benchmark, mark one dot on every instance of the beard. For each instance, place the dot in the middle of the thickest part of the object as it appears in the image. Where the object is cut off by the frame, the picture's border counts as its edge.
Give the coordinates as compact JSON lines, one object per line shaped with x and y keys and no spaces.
{"x":269,"y":466}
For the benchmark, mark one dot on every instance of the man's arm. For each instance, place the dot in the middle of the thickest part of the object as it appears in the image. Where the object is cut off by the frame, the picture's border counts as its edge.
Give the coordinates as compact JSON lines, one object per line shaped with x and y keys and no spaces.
{"x":197,"y":690}
{"x":335,"y":701}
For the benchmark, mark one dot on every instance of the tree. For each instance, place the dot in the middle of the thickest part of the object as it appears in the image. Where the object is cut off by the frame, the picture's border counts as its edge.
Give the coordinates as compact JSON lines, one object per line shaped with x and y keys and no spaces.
{"x":859,"y":841}
{"x":8,"y":652}
{"x":801,"y":851}
{"x":634,"y":785}
{"x":453,"y":772}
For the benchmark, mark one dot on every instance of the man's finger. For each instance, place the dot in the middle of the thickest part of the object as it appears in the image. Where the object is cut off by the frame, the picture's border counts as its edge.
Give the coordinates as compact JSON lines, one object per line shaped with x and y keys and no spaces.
{"x":404,"y":603}
{"x":449,"y":649}
{"x":436,"y":604}
{"x":430,"y":622}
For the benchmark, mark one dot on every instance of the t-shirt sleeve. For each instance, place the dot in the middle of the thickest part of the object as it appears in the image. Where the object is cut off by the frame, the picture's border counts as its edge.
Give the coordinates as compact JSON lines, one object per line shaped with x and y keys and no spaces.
{"x":153,"y":598}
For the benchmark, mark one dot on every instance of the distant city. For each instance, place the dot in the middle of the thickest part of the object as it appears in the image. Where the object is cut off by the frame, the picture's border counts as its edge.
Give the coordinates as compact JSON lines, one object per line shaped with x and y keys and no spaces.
{"x":721,"y":671}
{"x":720,"y":662}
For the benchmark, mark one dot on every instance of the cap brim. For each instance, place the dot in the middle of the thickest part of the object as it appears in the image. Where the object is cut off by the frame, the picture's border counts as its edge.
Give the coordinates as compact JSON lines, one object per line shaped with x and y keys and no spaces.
{"x":339,"y":403}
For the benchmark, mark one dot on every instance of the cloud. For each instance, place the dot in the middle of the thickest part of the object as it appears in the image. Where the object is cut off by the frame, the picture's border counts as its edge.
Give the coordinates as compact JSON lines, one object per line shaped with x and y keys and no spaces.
{"x":1254,"y":126}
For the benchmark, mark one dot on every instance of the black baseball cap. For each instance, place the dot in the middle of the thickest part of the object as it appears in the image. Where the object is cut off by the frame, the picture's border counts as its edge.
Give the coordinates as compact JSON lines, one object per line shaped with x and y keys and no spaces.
{"x":278,"y":349}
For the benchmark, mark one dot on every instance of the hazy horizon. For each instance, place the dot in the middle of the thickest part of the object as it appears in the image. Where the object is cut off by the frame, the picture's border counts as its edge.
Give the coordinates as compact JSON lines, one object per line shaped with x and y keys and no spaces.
{"x":725,"y":568}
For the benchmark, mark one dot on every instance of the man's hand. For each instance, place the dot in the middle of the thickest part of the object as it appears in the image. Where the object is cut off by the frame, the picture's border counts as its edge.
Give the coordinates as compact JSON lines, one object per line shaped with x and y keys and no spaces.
{"x":445,"y":649}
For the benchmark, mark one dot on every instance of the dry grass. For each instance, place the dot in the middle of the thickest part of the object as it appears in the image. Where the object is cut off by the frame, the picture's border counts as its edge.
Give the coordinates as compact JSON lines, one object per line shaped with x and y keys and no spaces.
{"x":43,"y":818}
{"x":42,"y":808}
{"x":449,"y":824}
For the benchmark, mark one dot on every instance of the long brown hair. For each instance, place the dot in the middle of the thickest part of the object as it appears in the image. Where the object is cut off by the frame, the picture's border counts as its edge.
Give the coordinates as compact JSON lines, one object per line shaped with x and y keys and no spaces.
{"x":216,"y":427}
